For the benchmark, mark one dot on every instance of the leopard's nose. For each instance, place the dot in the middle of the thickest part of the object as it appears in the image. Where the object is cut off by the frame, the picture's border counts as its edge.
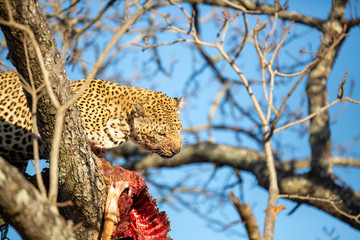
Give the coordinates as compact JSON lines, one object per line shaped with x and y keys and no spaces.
{"x":175,"y":147}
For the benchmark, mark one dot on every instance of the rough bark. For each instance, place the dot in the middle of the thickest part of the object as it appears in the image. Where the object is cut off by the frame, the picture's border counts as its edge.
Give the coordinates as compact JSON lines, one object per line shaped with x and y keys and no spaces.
{"x":317,"y":93}
{"x":79,"y":177}
{"x":247,"y":217}
{"x":23,"y":207}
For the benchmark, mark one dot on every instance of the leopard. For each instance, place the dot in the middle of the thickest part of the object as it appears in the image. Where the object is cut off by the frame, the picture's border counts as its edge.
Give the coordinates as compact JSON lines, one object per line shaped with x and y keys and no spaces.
{"x":111,"y":113}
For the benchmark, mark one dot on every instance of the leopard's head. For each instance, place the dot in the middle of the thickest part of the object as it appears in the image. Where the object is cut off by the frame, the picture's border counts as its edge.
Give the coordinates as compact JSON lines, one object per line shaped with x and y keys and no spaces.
{"x":155,"y":125}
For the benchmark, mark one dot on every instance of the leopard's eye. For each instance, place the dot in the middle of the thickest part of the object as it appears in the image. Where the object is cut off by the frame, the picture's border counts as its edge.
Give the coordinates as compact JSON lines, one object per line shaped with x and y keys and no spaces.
{"x":161,"y":131}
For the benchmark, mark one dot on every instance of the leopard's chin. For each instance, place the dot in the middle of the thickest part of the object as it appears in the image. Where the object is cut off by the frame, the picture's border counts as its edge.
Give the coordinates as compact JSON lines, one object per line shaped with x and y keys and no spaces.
{"x":164,"y":155}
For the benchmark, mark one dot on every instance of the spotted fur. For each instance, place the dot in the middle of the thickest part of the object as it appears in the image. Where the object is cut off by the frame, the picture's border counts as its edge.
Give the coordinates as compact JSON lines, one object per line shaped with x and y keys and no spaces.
{"x":111,"y":113}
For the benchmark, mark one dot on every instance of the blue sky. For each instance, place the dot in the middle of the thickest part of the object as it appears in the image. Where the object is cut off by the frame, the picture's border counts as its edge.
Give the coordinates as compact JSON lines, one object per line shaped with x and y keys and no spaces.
{"x":307,"y":222}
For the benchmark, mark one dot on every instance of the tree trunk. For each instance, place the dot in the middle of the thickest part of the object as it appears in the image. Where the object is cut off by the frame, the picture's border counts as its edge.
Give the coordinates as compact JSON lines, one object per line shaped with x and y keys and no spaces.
{"x":80,"y":180}
{"x":317,"y":93}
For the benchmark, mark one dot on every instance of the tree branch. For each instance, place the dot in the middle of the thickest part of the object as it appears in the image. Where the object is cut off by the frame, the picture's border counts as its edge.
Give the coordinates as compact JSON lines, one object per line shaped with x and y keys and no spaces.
{"x":252,"y":7}
{"x":317,"y":93}
{"x":27,"y":210}
{"x":247,"y":217}
{"x":254,"y":162}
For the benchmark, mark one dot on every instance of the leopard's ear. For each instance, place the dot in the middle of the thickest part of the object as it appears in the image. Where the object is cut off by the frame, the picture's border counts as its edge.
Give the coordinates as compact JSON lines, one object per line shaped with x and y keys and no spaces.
{"x":179,"y":103}
{"x":138,"y":110}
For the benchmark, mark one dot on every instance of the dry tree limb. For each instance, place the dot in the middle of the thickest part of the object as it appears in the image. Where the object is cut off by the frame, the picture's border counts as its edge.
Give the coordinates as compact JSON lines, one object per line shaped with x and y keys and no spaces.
{"x":247,"y":217}
{"x":330,"y":201}
{"x":290,"y":182}
{"x":256,"y":8}
{"x":341,"y":87}
{"x":95,"y":19}
{"x":216,"y":103}
{"x":304,"y":72}
{"x":27,"y":210}
{"x":35,"y":130}
{"x":315,"y":113}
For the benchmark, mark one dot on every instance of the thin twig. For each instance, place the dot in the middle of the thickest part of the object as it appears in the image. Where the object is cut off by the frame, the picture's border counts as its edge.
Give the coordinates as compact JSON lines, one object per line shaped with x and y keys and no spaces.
{"x":216,"y":103}
{"x":271,"y":72}
{"x":35,"y":130}
{"x":316,"y":61}
{"x":243,"y":41}
{"x":326,"y":200}
{"x":45,"y":73}
{"x":315,"y":113}
{"x":95,"y":19}
{"x":341,"y":87}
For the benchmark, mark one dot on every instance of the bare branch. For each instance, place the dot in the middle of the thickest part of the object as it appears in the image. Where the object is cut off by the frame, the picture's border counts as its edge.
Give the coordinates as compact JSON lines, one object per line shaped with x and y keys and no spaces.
{"x":315,"y":113}
{"x":290,"y":182}
{"x":27,"y":210}
{"x":247,"y":217}
{"x":325,"y":200}
{"x":253,"y":7}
